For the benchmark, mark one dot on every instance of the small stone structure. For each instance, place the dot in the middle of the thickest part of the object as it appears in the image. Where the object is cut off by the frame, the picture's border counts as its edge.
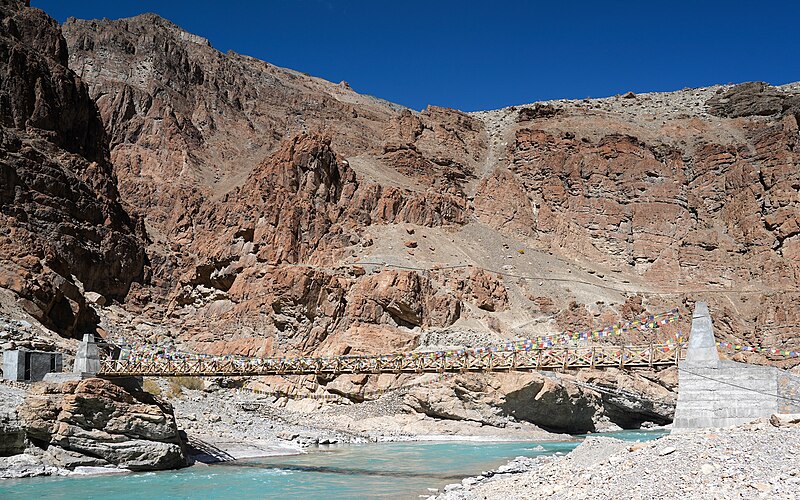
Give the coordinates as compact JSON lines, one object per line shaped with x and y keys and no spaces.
{"x":30,"y":366}
{"x":87,"y":359}
{"x":719,"y":393}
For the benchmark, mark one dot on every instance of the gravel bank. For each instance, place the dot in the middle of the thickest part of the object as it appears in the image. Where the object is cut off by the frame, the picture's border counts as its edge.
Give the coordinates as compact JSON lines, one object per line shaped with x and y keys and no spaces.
{"x":752,"y":461}
{"x":223,"y":425}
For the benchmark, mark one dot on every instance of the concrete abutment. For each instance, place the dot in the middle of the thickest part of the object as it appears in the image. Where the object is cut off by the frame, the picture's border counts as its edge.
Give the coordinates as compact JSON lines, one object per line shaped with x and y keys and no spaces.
{"x":717,"y":393}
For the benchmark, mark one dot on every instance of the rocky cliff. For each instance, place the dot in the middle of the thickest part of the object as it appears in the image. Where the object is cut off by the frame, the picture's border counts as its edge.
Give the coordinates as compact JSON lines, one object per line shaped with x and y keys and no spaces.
{"x":229,"y":206}
{"x":694,"y":191}
{"x":237,"y":166}
{"x":62,"y":229}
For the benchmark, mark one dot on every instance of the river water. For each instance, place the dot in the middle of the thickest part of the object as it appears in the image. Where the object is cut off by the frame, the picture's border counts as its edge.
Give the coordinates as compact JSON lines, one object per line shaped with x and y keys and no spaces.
{"x":380,"y":471}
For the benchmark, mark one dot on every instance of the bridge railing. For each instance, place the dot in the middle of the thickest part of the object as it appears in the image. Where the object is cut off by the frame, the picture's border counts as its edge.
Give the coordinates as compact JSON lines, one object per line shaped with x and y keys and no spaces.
{"x":465,"y":360}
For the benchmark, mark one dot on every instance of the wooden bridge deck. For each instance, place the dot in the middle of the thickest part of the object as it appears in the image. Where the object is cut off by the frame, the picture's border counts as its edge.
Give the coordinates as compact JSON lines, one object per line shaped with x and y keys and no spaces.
{"x":467,"y":360}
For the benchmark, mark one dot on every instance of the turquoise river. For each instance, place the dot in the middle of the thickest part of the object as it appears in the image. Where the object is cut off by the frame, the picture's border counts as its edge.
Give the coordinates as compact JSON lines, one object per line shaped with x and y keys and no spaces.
{"x":385,"y":470}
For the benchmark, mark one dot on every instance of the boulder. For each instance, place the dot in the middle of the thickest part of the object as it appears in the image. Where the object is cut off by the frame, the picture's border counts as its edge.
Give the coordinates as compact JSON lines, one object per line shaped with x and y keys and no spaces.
{"x":549,"y":404}
{"x":454,"y":402}
{"x":95,"y":421}
{"x":747,"y":99}
{"x":785,"y":419}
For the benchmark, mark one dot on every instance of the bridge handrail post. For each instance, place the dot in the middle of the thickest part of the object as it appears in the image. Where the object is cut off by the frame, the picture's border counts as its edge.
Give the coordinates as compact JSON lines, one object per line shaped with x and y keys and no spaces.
{"x":622,"y":357}
{"x":565,"y":360}
{"x":650,"y":363}
{"x":593,"y":357}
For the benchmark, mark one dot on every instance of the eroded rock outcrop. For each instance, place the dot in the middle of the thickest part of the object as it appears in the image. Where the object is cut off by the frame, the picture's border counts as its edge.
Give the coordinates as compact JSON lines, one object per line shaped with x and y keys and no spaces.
{"x":594,"y":400}
{"x":62,"y":229}
{"x":95,"y":422}
{"x":439,"y":146}
{"x":753,"y":99}
{"x":547,"y":402}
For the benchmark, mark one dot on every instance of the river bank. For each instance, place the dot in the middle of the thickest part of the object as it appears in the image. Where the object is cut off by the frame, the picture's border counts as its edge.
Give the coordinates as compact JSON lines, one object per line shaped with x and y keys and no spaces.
{"x":229,"y":425}
{"x":222,"y":425}
{"x":399,"y":470}
{"x":757,"y":460}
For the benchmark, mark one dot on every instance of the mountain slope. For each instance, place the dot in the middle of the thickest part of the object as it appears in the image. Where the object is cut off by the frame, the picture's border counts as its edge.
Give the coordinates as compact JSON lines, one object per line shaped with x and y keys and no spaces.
{"x":237,"y":166}
{"x":231,"y":206}
{"x":62,"y":229}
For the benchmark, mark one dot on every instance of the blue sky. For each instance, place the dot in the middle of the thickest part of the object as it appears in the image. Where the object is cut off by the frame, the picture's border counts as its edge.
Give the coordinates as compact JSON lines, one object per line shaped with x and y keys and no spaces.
{"x":482,"y":55}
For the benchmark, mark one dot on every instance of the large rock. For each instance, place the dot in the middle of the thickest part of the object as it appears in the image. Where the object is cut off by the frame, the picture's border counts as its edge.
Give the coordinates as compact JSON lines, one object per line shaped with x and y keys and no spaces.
{"x":97,"y":422}
{"x":550,"y":404}
{"x":752,"y":99}
{"x":403,"y":298}
{"x":631,"y":399}
{"x":465,"y":398}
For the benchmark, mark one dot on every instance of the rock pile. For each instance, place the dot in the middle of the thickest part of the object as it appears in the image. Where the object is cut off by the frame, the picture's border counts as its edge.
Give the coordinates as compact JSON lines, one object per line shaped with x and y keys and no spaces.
{"x":754,"y":461}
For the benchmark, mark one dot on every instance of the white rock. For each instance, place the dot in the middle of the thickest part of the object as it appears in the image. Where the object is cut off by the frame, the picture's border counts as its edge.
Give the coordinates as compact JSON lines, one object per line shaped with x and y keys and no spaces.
{"x":469,"y":481}
{"x":95,"y":298}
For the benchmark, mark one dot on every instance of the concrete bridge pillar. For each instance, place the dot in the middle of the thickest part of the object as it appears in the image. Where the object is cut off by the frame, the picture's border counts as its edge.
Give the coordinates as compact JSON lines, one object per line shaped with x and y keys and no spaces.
{"x":87,"y":359}
{"x":716,"y":393}
{"x":702,"y":349}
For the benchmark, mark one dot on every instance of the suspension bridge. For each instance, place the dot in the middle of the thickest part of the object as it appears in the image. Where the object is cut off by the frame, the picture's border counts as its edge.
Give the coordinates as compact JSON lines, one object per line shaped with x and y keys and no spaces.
{"x":713,"y":392}
{"x":559,"y":358}
{"x":522,"y":355}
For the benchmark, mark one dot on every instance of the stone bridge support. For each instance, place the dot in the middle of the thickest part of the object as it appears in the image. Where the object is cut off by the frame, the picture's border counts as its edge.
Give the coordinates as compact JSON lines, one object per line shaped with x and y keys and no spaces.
{"x":87,"y":359}
{"x":719,"y":393}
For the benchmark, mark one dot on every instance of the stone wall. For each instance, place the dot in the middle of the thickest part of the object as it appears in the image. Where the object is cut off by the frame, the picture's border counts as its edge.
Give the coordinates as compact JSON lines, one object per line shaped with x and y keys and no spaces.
{"x":725,"y":395}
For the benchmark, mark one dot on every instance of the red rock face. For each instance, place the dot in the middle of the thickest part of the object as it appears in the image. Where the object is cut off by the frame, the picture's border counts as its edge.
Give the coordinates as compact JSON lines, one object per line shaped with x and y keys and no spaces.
{"x":183,"y":118}
{"x":61,"y":226}
{"x":440,"y":146}
{"x":263,"y":193}
{"x":689,"y":212}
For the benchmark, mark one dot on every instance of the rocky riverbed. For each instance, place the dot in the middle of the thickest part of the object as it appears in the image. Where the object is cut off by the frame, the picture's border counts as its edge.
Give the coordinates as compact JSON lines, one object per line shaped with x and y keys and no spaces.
{"x":95,"y":426}
{"x":224,"y":424}
{"x":757,"y":460}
